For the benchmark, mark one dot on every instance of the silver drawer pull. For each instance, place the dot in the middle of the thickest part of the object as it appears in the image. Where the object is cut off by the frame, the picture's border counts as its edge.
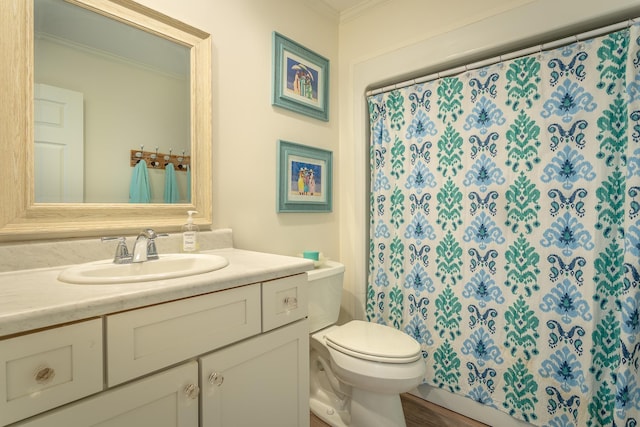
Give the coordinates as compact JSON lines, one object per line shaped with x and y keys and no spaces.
{"x":192,"y":391}
{"x":216,"y":379}
{"x":291,"y":301}
{"x":44,"y":374}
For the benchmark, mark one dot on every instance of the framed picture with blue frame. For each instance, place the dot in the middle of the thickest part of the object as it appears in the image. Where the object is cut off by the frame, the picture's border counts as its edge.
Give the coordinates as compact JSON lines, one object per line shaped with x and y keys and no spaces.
{"x":304,"y":178}
{"x":300,"y":79}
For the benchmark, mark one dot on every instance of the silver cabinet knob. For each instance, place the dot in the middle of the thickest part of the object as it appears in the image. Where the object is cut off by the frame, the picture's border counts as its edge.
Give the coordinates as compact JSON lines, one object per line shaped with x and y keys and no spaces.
{"x":192,"y":391}
{"x":291,"y":301}
{"x":44,"y":374}
{"x":216,"y":379}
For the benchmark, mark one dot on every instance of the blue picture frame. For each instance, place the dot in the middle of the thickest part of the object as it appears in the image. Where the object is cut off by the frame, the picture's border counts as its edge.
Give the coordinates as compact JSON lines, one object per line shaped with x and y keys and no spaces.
{"x":300,"y":79}
{"x":304,"y":178}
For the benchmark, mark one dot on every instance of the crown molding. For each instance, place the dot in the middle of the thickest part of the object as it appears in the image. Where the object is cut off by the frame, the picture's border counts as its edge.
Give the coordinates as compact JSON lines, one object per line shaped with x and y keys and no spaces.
{"x":358,"y":9}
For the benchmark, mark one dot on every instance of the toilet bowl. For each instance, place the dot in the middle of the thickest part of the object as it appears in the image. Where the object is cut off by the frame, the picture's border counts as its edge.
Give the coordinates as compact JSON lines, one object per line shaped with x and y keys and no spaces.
{"x":357,"y":370}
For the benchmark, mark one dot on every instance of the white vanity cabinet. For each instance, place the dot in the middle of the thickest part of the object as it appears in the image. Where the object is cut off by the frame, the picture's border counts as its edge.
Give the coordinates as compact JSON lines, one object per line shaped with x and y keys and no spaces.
{"x":231,"y":358}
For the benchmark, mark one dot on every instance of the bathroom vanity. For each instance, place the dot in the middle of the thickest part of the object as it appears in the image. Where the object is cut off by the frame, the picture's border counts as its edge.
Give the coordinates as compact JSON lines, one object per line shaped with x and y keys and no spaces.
{"x":225,"y":348}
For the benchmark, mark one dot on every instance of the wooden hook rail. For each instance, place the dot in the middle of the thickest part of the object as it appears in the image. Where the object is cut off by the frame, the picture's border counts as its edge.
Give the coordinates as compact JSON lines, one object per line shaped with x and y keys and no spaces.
{"x":157,"y":160}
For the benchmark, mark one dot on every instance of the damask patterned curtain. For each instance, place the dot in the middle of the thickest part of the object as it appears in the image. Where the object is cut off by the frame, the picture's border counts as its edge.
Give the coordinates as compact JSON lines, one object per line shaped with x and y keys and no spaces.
{"x":505,"y":235}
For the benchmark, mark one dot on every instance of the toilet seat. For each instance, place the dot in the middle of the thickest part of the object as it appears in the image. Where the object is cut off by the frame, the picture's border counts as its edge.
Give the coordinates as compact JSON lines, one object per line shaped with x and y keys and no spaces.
{"x":373,"y":342}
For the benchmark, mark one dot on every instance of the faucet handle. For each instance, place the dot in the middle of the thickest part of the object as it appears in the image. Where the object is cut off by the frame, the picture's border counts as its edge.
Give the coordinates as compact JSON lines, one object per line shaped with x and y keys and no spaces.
{"x":152,"y":251}
{"x":149,"y":233}
{"x":122,"y":255}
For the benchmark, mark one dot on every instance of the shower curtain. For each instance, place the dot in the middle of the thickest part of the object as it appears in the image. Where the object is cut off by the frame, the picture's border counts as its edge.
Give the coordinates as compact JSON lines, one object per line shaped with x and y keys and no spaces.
{"x":505,"y":235}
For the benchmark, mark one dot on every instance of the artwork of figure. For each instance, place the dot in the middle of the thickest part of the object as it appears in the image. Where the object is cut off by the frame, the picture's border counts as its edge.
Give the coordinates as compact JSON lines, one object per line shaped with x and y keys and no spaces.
{"x":312,"y":183}
{"x":301,"y":182}
{"x":302,"y":80}
{"x":305,"y":179}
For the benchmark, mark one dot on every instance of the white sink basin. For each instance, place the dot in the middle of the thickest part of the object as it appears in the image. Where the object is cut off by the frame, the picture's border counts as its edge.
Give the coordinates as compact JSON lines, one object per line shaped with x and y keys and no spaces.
{"x":169,"y":266}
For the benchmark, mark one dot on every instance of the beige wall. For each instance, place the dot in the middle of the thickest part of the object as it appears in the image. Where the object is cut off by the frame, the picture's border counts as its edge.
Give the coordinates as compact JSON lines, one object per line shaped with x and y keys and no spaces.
{"x":246,"y":126}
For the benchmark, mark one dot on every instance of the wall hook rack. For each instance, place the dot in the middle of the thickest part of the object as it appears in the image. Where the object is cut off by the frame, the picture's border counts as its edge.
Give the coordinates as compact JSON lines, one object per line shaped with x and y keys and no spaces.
{"x":151,"y":157}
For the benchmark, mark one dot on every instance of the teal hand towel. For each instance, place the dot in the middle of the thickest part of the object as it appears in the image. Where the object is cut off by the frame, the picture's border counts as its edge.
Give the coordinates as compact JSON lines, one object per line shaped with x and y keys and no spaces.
{"x":139,"y":191}
{"x":171,"y":193}
{"x":188,"y":184}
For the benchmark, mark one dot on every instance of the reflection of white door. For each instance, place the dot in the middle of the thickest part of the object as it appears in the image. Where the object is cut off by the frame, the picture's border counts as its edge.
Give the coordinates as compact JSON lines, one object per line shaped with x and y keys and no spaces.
{"x":59,"y":152}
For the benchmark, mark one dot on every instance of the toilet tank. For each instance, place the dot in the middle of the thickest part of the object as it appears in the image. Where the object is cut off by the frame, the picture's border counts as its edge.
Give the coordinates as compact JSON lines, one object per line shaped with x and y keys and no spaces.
{"x":325,"y":294}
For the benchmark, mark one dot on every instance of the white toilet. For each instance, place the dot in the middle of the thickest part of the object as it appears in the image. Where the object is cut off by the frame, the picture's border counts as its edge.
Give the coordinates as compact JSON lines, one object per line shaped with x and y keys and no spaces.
{"x":357,"y":370}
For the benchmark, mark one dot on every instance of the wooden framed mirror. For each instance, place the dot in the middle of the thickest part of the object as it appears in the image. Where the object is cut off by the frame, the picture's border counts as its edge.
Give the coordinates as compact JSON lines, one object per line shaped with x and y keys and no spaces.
{"x":21,"y":217}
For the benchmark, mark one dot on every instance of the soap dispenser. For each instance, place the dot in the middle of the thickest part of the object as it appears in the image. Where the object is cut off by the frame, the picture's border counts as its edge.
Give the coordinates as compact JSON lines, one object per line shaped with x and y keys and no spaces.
{"x":190,"y":230}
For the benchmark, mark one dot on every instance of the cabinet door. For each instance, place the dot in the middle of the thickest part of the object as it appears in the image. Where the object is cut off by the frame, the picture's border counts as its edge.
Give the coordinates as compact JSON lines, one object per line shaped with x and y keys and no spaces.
{"x":263,"y":381}
{"x":167,"y":399}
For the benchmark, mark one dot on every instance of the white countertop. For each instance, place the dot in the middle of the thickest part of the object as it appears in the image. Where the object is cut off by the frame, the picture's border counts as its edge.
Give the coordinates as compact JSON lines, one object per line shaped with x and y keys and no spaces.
{"x":32,"y":299}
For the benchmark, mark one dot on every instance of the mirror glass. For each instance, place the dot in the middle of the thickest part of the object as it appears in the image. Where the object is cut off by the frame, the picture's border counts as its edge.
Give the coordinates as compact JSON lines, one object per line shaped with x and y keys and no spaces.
{"x":108,"y":95}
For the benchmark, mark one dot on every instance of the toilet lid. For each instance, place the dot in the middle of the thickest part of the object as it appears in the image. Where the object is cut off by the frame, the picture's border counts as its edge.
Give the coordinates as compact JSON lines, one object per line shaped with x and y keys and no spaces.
{"x":371,"y":341}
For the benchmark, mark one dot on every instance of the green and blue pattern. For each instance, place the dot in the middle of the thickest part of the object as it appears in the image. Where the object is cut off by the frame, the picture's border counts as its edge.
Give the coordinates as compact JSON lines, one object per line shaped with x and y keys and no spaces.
{"x":505,"y":230}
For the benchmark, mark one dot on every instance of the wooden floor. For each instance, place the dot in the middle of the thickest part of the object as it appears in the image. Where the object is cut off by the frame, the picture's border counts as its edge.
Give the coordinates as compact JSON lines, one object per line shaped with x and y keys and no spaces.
{"x":420,"y":413}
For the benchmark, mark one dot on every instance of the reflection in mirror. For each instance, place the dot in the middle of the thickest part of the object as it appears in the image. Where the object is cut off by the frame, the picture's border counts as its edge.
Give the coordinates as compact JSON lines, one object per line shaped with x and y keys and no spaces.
{"x":22,"y":217}
{"x":104,"y":88}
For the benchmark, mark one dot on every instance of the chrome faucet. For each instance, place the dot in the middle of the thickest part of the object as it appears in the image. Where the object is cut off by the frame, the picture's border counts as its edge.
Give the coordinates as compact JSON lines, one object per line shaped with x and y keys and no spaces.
{"x":144,"y":248}
{"x":140,"y":252}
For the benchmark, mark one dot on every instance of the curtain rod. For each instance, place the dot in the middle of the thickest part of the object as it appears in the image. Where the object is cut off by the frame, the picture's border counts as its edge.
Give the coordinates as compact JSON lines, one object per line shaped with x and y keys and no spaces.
{"x":511,"y":55}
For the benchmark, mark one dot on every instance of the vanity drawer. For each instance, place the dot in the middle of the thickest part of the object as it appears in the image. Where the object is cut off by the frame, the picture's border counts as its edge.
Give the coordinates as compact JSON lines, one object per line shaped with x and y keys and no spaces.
{"x":147,"y":339}
{"x":45,"y":369}
{"x":284,"y":301}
